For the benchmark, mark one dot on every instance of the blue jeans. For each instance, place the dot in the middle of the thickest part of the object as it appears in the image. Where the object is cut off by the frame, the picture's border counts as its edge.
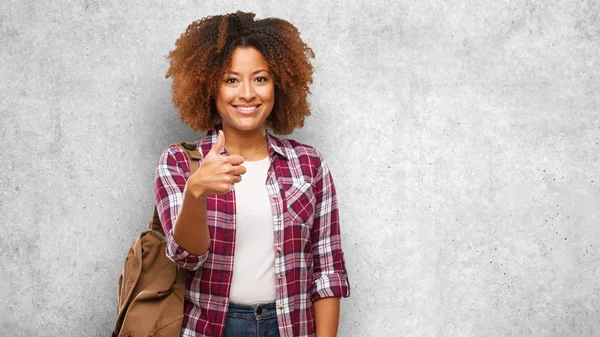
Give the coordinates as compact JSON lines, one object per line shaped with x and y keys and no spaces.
{"x":251,"y":320}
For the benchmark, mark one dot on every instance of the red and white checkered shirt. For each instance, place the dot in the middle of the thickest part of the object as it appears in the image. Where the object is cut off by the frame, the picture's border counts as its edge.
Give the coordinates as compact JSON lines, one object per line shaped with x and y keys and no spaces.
{"x":309,"y":262}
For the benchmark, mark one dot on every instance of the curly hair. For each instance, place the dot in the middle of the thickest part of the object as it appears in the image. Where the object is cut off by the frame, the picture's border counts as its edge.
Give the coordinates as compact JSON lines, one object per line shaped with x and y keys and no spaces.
{"x":202,"y":56}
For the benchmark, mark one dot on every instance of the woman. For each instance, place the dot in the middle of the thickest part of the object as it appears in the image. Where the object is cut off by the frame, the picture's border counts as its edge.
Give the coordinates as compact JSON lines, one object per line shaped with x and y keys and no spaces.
{"x":257,"y":223}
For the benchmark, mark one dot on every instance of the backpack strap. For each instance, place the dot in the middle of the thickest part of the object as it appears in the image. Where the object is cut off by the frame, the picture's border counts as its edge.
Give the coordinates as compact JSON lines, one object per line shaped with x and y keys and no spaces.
{"x":193,"y":156}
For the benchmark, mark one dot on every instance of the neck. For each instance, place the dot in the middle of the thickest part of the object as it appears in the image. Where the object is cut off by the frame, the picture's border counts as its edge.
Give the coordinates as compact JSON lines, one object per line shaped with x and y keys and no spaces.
{"x":250,"y":144}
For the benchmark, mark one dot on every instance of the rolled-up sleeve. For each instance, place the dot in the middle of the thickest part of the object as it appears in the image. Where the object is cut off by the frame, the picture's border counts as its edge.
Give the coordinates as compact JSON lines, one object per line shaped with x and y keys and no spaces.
{"x":172,"y":172}
{"x":330,"y":278}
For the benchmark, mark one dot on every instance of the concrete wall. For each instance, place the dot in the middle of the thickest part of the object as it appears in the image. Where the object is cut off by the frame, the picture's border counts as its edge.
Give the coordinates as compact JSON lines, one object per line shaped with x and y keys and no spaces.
{"x":463,"y":136}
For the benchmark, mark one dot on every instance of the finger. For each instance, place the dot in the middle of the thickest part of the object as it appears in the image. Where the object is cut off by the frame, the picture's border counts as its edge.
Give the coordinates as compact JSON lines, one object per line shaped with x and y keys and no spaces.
{"x":236,"y":179}
{"x":216,"y":149}
{"x":235,"y":159}
{"x":238,"y":170}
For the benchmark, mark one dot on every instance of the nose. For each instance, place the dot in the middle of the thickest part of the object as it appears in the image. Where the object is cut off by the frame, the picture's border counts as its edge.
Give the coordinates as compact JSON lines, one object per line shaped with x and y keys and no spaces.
{"x":247,"y":91}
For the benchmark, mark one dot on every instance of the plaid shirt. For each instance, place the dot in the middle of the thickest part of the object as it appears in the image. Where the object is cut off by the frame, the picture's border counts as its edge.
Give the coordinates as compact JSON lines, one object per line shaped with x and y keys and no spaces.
{"x":309,"y":263}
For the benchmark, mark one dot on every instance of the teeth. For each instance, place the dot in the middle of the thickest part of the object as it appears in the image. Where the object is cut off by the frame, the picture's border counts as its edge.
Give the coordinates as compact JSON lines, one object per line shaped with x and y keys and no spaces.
{"x":244,"y":108}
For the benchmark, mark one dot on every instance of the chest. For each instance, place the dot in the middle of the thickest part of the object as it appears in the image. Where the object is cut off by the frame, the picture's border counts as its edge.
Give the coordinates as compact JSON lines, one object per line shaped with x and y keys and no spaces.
{"x":280,"y":193}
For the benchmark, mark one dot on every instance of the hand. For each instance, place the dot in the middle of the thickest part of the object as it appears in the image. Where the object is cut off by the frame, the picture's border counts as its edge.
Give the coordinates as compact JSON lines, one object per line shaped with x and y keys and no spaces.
{"x":216,"y":174}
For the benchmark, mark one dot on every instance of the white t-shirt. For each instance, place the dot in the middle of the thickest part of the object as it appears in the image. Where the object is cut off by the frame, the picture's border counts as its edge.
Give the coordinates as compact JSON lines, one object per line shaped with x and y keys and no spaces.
{"x":253,"y":279}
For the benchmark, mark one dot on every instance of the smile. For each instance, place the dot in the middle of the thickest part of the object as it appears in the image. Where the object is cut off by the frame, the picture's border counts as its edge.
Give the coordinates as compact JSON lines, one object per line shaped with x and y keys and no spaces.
{"x":247,"y":109}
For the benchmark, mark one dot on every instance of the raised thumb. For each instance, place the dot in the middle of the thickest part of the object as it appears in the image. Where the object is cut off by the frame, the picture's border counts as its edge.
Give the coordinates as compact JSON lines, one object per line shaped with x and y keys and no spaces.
{"x":219,"y":143}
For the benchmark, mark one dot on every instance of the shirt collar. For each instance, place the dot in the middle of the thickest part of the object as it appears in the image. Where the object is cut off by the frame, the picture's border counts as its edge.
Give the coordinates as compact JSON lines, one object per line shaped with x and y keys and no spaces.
{"x":276,"y":145}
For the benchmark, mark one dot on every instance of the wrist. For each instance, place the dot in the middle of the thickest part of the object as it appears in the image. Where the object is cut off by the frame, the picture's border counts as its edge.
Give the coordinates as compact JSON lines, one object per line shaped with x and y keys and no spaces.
{"x":195,"y":193}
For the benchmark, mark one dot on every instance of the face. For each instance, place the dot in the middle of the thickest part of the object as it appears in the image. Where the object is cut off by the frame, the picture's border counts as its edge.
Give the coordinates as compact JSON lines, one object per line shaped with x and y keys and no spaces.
{"x":246,"y":94}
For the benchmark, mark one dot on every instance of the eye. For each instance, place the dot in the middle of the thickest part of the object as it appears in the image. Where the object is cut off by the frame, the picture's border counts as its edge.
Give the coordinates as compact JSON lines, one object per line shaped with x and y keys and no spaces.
{"x":261,"y":79}
{"x":231,"y":80}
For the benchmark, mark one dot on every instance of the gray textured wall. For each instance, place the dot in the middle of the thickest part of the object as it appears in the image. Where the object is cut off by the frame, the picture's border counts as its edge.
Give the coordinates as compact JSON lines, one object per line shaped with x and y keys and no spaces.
{"x":463,"y":136}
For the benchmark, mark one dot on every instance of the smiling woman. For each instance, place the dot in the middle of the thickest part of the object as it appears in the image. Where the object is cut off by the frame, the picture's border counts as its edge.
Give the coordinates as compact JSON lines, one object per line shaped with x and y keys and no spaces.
{"x":256,"y":225}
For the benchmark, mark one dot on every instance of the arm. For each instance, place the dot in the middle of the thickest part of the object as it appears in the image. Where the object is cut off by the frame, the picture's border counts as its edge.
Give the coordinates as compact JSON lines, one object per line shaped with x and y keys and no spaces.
{"x":191,"y":229}
{"x":330,"y":279}
{"x":181,"y":199}
{"x":327,"y":316}
{"x":176,"y":205}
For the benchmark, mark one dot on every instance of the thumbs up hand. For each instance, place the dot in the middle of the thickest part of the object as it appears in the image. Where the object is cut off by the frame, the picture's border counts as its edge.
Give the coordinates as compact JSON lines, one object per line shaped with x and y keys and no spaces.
{"x":216,"y":174}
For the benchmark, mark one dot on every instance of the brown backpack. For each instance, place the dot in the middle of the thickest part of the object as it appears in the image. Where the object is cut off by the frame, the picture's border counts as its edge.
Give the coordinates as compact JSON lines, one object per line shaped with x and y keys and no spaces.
{"x":151,"y":287}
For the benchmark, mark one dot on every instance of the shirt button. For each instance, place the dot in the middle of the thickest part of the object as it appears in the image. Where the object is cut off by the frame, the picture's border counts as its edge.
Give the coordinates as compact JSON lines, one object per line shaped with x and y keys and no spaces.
{"x":279,"y":276}
{"x":279,"y":249}
{"x":280,"y":307}
{"x":278,"y":217}
{"x":275,"y":197}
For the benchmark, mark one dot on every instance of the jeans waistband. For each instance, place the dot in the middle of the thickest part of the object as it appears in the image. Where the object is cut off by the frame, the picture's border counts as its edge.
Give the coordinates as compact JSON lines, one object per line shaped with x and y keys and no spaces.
{"x":261,"y":311}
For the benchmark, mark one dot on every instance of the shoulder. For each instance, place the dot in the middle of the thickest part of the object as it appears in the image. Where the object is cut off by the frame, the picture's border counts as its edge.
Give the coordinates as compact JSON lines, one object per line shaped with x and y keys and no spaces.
{"x":173,"y":156}
{"x":296,"y":150}
{"x":303,"y":155}
{"x":301,"y":149}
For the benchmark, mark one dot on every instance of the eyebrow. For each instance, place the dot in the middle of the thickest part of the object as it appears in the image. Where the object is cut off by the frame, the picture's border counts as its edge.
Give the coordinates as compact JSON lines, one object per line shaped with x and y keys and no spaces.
{"x":254,"y":73}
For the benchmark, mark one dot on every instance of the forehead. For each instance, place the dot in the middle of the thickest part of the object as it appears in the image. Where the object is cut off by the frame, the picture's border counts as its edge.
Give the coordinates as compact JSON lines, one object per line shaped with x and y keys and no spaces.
{"x":247,"y":60}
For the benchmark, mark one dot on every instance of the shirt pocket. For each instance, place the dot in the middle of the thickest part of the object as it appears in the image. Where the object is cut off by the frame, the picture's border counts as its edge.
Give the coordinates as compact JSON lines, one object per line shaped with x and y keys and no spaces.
{"x":300,"y":201}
